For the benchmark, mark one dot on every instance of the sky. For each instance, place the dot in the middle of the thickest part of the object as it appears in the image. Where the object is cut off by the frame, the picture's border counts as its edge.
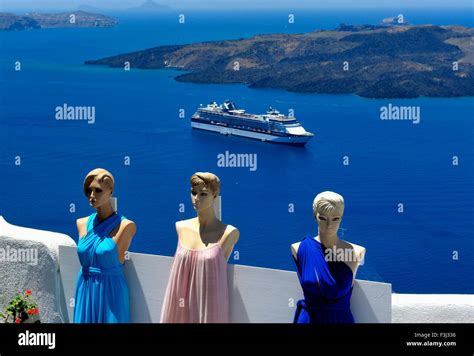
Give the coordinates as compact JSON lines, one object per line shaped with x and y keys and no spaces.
{"x":243,"y":4}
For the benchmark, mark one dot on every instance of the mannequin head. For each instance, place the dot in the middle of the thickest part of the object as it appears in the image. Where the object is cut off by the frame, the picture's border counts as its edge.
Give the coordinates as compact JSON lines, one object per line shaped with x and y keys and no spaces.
{"x":98,"y":187}
{"x":205,"y":188}
{"x":328,"y":208}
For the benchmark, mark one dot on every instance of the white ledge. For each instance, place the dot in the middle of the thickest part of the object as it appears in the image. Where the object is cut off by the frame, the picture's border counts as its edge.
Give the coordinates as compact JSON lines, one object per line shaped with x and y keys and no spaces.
{"x":256,"y":294}
{"x":20,"y":270}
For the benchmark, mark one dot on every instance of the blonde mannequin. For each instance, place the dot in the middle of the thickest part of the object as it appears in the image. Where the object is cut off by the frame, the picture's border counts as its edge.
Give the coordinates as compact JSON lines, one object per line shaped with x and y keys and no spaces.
{"x":328,"y":208}
{"x":326,"y":267}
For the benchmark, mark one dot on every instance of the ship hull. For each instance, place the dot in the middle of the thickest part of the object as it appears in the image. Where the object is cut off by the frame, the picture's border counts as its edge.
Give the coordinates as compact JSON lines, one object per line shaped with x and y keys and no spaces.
{"x":287,"y":140}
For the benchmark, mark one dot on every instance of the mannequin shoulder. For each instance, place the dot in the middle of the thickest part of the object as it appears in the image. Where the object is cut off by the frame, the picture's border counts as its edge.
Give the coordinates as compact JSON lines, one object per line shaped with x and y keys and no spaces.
{"x":229,"y":239}
{"x":294,"y":248}
{"x":231,"y":234}
{"x":359,"y":251}
{"x":184,"y":224}
{"x":81,"y":221}
{"x":81,"y":225}
{"x":128,"y":227}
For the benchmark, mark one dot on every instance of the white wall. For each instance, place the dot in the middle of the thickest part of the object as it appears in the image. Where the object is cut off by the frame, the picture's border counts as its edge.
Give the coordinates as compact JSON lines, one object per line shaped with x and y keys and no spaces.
{"x":257,"y":295}
{"x":40,"y":274}
{"x":433,"y":308}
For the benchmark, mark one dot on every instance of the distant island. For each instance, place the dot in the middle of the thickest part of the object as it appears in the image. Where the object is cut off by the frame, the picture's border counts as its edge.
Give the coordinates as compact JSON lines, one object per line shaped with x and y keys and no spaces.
{"x":34,"y":20}
{"x":374,"y":61}
{"x":149,"y":6}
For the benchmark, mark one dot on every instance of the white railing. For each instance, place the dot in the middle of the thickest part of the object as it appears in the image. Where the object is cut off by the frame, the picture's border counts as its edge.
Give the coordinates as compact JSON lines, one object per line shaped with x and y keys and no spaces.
{"x":257,"y":295}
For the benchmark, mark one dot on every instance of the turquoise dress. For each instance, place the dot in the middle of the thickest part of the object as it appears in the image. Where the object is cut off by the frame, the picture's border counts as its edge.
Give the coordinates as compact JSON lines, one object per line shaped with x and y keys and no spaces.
{"x":101,"y":289}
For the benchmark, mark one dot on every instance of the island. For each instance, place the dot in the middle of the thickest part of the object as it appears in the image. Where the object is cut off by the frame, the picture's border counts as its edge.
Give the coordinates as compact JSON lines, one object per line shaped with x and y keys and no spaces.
{"x":374,"y":61}
{"x":147,"y":7}
{"x":34,"y":20}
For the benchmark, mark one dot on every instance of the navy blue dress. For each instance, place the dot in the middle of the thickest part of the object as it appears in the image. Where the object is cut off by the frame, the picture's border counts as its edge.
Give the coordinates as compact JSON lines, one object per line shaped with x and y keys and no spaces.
{"x":327,"y":286}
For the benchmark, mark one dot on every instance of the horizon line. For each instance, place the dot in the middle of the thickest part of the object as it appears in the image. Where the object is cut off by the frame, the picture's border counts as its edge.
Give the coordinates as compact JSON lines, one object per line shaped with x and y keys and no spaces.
{"x":245,"y":8}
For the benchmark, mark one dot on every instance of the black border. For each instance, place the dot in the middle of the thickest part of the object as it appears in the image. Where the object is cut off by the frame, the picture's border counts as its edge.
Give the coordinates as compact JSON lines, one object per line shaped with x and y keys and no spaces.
{"x":385,"y":338}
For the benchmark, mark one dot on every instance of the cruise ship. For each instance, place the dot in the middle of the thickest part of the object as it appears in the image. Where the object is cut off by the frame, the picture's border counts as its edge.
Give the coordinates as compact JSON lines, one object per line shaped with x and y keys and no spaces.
{"x":272,"y":126}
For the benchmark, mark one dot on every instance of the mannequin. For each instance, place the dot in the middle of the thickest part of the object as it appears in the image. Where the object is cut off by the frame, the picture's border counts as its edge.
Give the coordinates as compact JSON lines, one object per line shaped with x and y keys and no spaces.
{"x":98,"y":188}
{"x":328,"y":220}
{"x":206,"y":229}
{"x":332,"y":258}
{"x":197,"y":290}
{"x":104,"y":237}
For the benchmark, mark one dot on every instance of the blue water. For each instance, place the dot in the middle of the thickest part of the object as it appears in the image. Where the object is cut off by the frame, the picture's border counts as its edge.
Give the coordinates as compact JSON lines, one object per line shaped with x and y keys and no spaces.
{"x":391,"y":162}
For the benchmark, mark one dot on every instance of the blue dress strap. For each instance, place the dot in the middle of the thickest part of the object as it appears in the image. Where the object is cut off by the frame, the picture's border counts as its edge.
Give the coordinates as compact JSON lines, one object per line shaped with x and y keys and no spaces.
{"x":90,"y":222}
{"x":296,"y":260}
{"x":111,"y":221}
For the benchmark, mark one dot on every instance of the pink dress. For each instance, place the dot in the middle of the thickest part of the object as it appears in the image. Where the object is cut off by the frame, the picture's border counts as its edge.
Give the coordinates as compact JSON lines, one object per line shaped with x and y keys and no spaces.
{"x":197,"y":290}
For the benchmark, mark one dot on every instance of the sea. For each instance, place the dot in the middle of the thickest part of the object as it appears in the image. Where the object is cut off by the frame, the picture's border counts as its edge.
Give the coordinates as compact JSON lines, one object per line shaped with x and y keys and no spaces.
{"x":408,"y":187}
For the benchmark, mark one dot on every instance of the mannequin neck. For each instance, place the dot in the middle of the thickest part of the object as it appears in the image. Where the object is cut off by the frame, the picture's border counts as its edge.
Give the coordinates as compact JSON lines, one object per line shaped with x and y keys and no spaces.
{"x":328,"y":240}
{"x":103,"y":212}
{"x":207,"y":218}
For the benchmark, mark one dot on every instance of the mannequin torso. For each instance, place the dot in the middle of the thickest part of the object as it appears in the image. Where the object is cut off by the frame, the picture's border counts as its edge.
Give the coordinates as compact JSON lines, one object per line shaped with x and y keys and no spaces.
{"x":355,"y":251}
{"x":194,"y":237}
{"x":122,"y":234}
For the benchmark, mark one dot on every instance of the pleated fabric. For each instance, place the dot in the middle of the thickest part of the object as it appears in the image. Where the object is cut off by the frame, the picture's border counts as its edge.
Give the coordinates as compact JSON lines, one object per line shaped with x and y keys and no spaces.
{"x":197,"y":290}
